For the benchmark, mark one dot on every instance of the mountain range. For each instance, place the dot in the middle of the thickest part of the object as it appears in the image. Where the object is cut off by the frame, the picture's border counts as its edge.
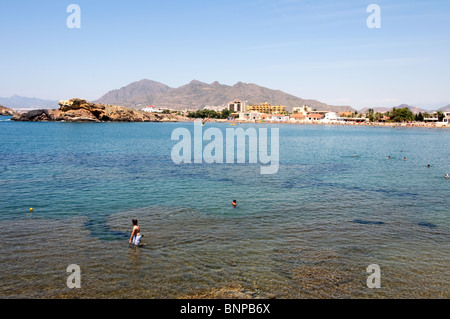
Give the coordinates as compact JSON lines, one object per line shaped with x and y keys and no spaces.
{"x":445,"y":108}
{"x":19,"y":102}
{"x":197,"y":95}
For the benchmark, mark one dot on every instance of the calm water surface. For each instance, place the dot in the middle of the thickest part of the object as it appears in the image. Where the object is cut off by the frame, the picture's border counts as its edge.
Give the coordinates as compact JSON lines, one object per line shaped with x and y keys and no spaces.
{"x":309,"y":231}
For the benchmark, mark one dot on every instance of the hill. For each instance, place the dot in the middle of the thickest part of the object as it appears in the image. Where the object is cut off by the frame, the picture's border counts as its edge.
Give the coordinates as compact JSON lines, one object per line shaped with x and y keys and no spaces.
{"x":445,"y":108}
{"x":413,"y":109}
{"x":197,"y":95}
{"x":79,"y":110}
{"x":134,"y":93}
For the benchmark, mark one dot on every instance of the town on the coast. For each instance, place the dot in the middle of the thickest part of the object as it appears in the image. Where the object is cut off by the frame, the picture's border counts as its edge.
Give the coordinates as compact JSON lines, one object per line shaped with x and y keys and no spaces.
{"x":242,"y":112}
{"x":236,"y":111}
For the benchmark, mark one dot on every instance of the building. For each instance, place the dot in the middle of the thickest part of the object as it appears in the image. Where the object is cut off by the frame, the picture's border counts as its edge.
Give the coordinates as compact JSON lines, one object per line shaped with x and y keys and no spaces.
{"x":446,"y":120}
{"x":319,"y":112}
{"x":331,"y":117}
{"x":302,"y":110}
{"x":237,"y":106}
{"x":297,"y":117}
{"x":279,"y":118}
{"x":346,"y":114}
{"x":151,"y":109}
{"x":262,"y":117}
{"x":214,"y":108}
{"x":315,"y":117}
{"x":250,"y":116}
{"x":266,"y":108}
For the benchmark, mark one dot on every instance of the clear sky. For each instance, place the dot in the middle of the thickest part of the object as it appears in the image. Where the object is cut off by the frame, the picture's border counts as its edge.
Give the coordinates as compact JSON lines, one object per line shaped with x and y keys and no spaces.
{"x":318,"y":49}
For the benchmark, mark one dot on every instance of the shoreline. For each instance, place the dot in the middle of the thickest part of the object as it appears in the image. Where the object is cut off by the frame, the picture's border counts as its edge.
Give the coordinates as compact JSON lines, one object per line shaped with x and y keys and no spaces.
{"x":393,"y":125}
{"x":187,"y":120}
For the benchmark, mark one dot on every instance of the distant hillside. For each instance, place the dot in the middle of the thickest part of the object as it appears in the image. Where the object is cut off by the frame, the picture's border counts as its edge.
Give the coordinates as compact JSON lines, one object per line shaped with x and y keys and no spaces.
{"x":445,"y":108}
{"x":197,"y":95}
{"x":375,"y":109}
{"x":414,"y":109}
{"x":19,"y":102}
{"x":134,"y":93}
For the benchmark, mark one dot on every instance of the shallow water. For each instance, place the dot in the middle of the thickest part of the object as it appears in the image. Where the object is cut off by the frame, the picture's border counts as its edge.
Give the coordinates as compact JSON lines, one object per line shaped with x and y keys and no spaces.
{"x":309,"y":231}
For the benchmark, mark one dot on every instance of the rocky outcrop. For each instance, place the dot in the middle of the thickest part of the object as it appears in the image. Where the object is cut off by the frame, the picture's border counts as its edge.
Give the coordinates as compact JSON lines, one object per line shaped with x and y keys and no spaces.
{"x":78,"y":110}
{"x":34,"y":116}
{"x":4,"y":111}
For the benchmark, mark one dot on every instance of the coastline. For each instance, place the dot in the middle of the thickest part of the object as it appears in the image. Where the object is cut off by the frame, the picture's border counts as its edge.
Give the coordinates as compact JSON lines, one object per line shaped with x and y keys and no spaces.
{"x":79,"y":110}
{"x":393,"y":125}
{"x":181,"y":119}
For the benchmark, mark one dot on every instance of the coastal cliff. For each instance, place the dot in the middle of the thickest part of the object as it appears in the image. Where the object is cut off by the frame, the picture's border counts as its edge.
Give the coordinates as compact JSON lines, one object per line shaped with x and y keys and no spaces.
{"x":4,"y":111}
{"x":79,"y":110}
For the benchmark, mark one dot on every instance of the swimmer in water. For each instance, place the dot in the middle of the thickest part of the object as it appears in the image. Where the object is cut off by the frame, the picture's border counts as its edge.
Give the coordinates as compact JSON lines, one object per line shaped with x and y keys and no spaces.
{"x":404,"y":158}
{"x":389,"y":157}
{"x":234,"y":203}
{"x":428,"y":165}
{"x":446,"y":176}
{"x":136,"y":236}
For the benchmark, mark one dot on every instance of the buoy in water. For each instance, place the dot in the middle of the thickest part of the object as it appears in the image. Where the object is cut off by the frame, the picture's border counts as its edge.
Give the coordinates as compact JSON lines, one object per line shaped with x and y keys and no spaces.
{"x":31,"y":209}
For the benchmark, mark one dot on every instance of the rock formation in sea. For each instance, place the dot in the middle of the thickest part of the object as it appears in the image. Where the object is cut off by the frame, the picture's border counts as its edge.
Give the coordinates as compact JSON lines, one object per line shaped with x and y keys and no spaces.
{"x":4,"y":111}
{"x":79,"y":110}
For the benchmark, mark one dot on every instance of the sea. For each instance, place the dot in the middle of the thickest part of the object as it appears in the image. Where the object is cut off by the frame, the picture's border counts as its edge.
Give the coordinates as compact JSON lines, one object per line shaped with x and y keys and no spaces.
{"x":313,"y":230}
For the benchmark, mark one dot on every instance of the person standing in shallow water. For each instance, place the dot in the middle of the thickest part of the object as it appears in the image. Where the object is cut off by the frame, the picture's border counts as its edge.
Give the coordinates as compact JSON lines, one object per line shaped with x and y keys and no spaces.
{"x":234,"y":203}
{"x":136,"y":236}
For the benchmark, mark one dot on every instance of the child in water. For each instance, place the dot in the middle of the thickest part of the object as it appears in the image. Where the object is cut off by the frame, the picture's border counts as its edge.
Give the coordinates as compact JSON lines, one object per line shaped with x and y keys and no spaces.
{"x":135,"y":234}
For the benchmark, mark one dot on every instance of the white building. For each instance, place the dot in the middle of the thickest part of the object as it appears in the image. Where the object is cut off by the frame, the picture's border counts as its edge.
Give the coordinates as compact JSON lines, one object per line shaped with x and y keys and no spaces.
{"x":279,"y":118}
{"x":302,"y":110}
{"x":250,"y":116}
{"x":214,"y":108}
{"x":330,"y":117}
{"x":151,"y":109}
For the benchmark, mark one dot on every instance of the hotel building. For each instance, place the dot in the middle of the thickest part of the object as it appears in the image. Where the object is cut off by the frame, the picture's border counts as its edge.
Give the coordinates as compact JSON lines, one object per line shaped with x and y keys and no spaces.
{"x":237,"y":106}
{"x":266,"y":108}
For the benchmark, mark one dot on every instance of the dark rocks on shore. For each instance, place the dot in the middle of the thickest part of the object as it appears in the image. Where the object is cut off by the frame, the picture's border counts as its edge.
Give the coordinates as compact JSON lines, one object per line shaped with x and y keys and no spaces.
{"x":78,"y":110}
{"x":33,"y":116}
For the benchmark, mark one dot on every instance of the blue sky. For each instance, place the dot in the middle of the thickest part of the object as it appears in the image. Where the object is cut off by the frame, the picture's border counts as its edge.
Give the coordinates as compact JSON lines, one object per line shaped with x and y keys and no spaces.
{"x":318,"y":49}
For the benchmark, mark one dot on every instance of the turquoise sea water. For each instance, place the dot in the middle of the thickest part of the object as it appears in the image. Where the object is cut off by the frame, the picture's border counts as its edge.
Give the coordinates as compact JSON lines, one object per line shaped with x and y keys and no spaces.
{"x":336,"y":206}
